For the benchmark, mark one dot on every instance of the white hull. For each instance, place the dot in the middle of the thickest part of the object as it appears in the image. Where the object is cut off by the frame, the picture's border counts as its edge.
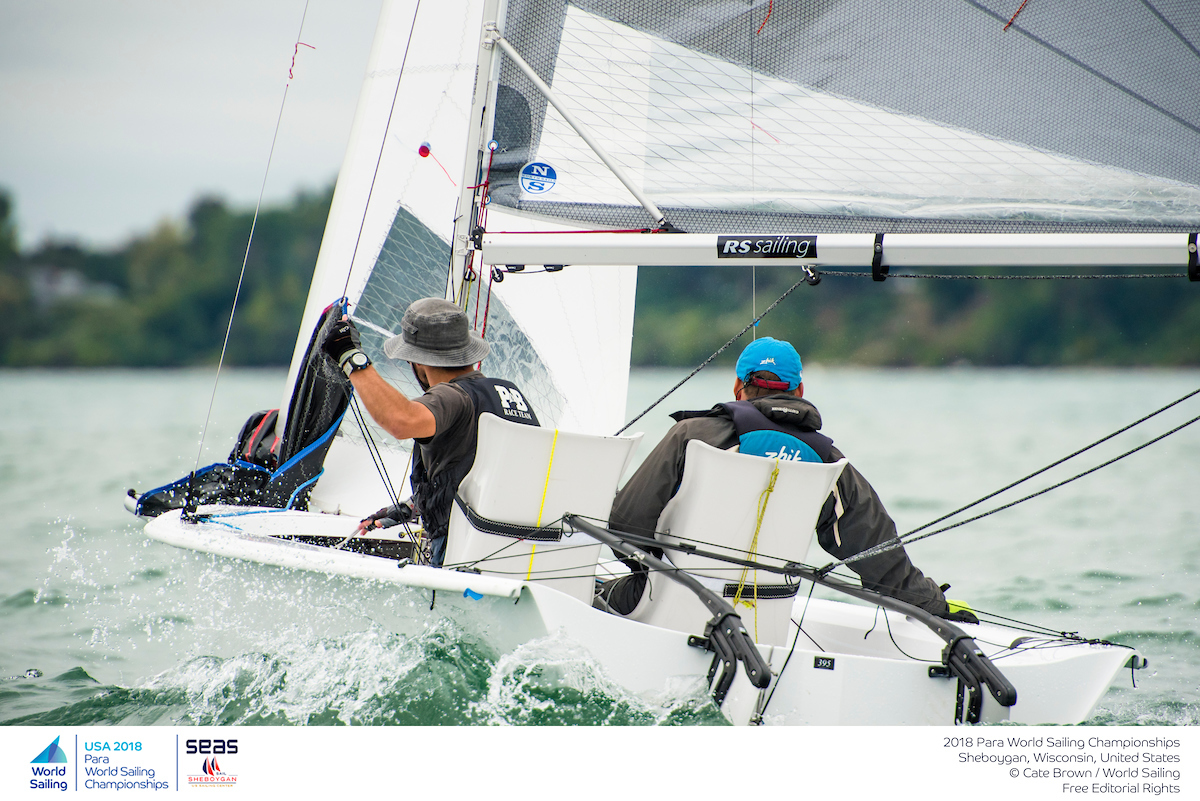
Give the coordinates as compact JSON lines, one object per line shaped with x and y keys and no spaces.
{"x":851,"y":679}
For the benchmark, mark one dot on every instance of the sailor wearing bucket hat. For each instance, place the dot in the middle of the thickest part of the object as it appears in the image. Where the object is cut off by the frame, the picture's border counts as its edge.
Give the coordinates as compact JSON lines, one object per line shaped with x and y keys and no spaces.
{"x":437,"y":340}
{"x":770,"y":418}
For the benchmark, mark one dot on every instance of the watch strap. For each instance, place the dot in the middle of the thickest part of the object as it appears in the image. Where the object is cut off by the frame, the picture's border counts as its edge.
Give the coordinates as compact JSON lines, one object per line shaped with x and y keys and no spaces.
{"x":353,"y":360}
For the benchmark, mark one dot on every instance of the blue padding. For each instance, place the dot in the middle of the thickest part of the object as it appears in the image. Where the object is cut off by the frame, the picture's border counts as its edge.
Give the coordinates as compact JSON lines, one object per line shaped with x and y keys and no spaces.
{"x":308,"y":483}
{"x":470,"y":593}
{"x":777,"y":445}
{"x":324,"y":437}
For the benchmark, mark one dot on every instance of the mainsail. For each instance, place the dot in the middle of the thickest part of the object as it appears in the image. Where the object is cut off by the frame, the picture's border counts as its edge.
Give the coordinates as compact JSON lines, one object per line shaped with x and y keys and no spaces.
{"x":831,"y":117}
{"x":867,"y":115}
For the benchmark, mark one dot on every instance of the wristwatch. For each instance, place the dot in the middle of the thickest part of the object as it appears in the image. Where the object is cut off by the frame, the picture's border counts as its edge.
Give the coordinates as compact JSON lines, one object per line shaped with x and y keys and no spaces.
{"x":354,"y":360}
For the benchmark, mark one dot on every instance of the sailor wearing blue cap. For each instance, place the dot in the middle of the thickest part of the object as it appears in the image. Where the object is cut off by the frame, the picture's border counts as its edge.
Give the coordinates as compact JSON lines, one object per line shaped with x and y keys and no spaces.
{"x":769,"y":417}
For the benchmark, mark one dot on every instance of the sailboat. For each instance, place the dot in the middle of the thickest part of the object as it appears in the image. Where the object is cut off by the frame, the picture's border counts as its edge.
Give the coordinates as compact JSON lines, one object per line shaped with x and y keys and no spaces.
{"x":524,"y":158}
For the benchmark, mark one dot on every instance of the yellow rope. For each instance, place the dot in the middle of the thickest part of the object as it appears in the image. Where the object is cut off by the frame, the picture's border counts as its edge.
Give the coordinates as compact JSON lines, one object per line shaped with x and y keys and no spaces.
{"x":542,"y":508}
{"x":763,"y":498}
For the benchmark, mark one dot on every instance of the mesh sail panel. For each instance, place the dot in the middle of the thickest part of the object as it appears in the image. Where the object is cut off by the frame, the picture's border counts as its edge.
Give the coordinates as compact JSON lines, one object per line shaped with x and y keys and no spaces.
{"x":412,"y":265}
{"x":863,"y":115}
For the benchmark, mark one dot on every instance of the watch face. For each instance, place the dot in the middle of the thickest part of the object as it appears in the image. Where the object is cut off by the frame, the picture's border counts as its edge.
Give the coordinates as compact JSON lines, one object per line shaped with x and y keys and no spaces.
{"x":359,"y":360}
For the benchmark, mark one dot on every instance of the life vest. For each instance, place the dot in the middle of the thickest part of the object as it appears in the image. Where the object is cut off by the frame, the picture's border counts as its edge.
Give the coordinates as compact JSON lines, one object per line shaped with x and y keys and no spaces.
{"x":434,"y":495}
{"x":759,"y":435}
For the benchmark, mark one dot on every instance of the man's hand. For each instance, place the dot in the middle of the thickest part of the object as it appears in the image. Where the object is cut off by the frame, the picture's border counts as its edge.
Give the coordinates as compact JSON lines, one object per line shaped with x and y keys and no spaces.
{"x":341,"y":341}
{"x":386,"y":517}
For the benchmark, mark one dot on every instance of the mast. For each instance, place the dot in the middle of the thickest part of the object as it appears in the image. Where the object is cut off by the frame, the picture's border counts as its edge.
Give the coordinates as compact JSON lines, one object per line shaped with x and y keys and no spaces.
{"x":479,"y":133}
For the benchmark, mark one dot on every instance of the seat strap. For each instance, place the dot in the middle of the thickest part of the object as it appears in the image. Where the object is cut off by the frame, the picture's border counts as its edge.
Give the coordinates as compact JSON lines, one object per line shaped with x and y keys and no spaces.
{"x":513,"y":530}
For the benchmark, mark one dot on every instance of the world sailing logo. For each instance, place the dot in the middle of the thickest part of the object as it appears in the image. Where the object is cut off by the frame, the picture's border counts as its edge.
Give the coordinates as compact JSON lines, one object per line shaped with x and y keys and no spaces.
{"x":52,"y":754}
{"x":46,"y":778}
{"x":538,"y":177}
{"x":211,"y":775}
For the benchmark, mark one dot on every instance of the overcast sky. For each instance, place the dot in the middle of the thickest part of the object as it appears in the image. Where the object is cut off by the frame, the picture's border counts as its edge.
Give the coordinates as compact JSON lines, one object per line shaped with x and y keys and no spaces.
{"x":116,"y":114}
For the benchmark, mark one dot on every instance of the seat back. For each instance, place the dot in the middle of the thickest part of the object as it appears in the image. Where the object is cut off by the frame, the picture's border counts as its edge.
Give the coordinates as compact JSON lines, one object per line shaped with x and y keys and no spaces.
{"x":530,"y":476}
{"x":718,"y":508}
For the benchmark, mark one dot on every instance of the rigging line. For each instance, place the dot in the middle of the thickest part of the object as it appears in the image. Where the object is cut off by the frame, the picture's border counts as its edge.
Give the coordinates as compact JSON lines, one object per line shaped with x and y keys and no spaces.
{"x":1099,"y":276}
{"x":1014,"y":16}
{"x":1052,"y":465}
{"x":792,"y":650}
{"x":1090,"y":70}
{"x":245,"y":258}
{"x":898,"y":542}
{"x":373,"y":450}
{"x":382,"y":143}
{"x":887,"y":622}
{"x":718,"y":352}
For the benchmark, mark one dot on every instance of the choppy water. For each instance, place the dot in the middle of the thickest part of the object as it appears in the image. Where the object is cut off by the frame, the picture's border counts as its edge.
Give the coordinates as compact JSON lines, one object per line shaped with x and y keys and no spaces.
{"x":128,"y":631}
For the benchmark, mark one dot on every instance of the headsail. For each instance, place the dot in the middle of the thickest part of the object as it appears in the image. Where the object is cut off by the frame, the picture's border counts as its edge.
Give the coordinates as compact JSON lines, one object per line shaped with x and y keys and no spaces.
{"x":564,"y":338}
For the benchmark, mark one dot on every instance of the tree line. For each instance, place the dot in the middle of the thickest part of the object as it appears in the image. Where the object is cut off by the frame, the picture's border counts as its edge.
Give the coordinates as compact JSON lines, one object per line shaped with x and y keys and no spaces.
{"x":163,"y":299}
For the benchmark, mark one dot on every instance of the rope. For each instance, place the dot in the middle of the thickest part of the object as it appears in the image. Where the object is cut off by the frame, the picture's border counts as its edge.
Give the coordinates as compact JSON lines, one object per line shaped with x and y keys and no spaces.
{"x":1014,"y":16}
{"x":901,"y":541}
{"x":1053,"y":464}
{"x":718,"y":352}
{"x":763,"y":498}
{"x":542,"y":507}
{"x":245,"y":258}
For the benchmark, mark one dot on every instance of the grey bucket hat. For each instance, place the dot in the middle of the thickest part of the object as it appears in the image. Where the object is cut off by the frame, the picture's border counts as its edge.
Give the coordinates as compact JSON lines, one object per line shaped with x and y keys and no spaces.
{"x":435,"y":332}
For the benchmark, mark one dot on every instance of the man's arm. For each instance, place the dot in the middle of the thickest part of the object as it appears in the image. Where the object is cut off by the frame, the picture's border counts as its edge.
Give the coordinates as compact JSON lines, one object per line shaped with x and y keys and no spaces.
{"x":861,"y":523}
{"x":396,"y":414}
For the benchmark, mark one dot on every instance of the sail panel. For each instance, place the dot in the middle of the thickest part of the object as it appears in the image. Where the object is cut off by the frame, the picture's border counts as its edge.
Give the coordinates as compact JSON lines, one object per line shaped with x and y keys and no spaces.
{"x":864,"y":115}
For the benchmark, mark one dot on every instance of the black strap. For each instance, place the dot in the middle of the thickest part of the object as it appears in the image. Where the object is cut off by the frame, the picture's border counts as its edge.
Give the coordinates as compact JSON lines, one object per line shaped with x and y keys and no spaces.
{"x":763,"y":592}
{"x":1193,"y":263}
{"x":517,"y":532}
{"x":878,"y":271}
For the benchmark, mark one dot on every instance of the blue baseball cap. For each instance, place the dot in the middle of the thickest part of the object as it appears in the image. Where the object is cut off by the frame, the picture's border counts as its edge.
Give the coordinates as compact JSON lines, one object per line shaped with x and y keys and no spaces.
{"x":771,"y":355}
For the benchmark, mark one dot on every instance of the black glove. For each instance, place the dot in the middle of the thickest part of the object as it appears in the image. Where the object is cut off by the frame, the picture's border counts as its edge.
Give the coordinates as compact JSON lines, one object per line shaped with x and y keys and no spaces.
{"x":389,"y":516}
{"x":341,"y":341}
{"x":962,"y":616}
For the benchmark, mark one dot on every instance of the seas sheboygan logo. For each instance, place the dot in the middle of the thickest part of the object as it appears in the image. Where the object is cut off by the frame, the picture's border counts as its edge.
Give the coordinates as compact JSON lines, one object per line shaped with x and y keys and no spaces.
{"x":46,"y":777}
{"x":210,"y":774}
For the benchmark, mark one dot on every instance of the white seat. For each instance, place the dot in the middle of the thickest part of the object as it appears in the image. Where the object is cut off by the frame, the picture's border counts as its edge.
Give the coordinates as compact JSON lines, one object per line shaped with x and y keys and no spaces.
{"x":530,"y":476}
{"x":717,"y":509}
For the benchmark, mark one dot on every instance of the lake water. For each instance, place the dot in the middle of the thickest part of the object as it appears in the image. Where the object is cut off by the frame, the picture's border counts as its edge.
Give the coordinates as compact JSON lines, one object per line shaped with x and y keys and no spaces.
{"x":124,"y":630}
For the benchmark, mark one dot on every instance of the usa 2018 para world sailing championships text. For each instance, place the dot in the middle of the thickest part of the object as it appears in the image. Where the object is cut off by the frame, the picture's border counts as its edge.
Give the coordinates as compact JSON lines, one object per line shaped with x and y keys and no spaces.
{"x":781,"y":246}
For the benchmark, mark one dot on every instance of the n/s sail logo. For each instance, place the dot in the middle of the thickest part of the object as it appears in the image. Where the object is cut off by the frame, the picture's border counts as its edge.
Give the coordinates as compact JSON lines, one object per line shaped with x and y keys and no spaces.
{"x":538,"y":177}
{"x":46,"y":777}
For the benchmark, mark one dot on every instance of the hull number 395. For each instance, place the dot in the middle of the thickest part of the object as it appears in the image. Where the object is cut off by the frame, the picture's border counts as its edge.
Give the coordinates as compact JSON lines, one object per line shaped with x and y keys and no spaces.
{"x":780,"y":246}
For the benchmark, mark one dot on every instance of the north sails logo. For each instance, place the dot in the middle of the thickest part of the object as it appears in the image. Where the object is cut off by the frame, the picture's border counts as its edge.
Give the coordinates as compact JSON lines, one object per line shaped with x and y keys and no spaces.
{"x":47,"y":778}
{"x":211,"y":775}
{"x":538,"y":177}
